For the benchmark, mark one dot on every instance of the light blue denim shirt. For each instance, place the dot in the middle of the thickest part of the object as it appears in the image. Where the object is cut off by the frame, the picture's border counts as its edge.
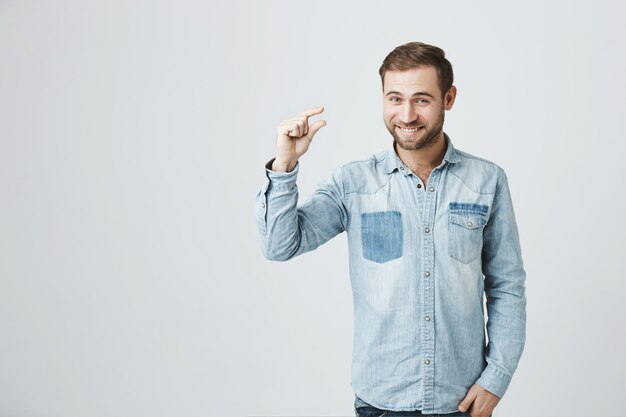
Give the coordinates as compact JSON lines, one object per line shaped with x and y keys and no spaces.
{"x":421,"y":258}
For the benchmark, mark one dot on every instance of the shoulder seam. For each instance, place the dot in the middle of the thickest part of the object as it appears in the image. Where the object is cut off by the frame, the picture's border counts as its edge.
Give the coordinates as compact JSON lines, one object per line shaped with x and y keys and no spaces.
{"x":373,"y":158}
{"x":470,"y":156}
{"x":370,"y":158}
{"x":463,"y":182}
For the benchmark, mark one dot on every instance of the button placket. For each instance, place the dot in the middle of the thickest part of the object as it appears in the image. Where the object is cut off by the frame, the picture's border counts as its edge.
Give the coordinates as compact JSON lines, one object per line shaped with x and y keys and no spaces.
{"x":428,"y":291}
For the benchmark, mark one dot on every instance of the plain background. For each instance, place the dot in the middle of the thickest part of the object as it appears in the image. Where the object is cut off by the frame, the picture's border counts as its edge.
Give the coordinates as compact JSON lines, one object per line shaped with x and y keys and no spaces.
{"x":133,"y":136}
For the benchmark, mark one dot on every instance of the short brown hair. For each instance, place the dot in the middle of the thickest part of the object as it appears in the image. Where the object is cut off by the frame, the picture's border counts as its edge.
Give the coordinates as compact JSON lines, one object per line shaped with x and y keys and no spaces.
{"x":415,"y":55}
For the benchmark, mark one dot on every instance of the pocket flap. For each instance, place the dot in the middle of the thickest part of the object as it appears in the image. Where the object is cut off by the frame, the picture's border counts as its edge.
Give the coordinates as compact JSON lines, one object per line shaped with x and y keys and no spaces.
{"x":468,"y":215}
{"x":468,"y":220}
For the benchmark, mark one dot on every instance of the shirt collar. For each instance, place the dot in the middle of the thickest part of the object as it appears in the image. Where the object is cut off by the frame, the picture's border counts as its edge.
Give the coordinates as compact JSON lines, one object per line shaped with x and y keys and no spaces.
{"x":393,"y":161}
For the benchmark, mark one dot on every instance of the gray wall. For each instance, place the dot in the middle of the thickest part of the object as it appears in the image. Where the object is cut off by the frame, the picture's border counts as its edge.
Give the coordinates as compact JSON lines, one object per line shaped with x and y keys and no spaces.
{"x":132,"y":141}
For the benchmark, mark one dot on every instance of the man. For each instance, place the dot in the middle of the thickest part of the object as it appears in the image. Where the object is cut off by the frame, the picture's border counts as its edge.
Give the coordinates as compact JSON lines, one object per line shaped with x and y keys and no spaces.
{"x":430,"y":230}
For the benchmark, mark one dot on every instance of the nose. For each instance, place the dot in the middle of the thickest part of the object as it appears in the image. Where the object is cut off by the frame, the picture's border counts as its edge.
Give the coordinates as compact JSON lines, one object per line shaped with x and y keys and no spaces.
{"x":407,"y":114}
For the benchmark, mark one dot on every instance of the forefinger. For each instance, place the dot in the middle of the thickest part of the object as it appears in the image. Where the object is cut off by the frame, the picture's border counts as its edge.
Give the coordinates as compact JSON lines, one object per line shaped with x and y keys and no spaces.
{"x":312,"y":112}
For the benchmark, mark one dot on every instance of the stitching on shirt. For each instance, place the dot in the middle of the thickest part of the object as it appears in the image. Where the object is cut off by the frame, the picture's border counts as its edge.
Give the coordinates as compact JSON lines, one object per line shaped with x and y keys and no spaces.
{"x":347,"y":190}
{"x":375,"y":191}
{"x":499,"y":171}
{"x":470,"y":156}
{"x":344,"y":198}
{"x":372,"y":157}
{"x":468,"y":187}
{"x":499,"y":369}
{"x":346,"y":184}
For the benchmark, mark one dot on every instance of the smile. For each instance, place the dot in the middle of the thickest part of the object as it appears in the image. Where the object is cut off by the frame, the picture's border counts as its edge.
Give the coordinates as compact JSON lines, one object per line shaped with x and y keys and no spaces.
{"x":409,"y":130}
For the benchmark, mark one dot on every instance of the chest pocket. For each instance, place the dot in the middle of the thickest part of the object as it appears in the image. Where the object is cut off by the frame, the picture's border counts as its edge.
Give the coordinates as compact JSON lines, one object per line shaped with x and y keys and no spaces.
{"x":381,"y":235}
{"x":465,"y":230}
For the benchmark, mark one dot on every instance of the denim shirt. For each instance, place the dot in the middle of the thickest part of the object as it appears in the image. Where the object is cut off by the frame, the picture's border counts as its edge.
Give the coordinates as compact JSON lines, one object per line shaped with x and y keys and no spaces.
{"x":421,"y":256}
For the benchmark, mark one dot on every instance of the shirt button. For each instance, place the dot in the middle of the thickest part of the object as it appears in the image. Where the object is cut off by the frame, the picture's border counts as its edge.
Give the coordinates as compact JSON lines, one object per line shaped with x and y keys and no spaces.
{"x":402,"y":168}
{"x":427,"y":230}
{"x":469,"y":224}
{"x":419,"y":185}
{"x":263,"y":205}
{"x":426,"y":274}
{"x":427,"y":361}
{"x":431,"y":189}
{"x":427,"y":318}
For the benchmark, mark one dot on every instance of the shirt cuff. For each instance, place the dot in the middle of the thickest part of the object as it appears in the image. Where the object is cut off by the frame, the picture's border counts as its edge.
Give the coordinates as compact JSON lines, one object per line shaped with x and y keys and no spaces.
{"x":494,"y":380}
{"x":279,"y":177}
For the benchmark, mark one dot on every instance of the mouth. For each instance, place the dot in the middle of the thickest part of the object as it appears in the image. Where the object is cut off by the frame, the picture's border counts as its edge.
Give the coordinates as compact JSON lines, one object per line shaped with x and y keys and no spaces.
{"x":409,"y":130}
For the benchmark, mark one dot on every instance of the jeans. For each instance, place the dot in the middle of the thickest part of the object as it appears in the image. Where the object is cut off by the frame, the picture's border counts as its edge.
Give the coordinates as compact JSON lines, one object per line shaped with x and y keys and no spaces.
{"x":362,"y":410}
{"x":375,"y":412}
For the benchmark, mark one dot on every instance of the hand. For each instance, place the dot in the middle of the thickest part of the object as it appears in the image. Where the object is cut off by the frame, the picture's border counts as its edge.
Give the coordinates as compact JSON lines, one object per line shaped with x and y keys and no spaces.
{"x":294,"y":137}
{"x":479,"y":401}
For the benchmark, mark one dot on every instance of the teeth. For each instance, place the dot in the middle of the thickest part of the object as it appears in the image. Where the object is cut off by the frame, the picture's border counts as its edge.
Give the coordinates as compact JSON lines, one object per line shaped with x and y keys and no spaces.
{"x":408,"y":130}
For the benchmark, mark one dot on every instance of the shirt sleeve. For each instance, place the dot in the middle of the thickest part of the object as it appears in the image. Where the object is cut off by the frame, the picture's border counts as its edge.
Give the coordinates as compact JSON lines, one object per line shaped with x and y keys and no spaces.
{"x":505,"y":291}
{"x":285,"y":229}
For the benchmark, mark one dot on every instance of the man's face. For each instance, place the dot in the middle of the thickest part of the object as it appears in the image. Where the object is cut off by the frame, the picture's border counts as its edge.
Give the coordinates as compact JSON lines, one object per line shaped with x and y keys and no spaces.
{"x":413,"y":107}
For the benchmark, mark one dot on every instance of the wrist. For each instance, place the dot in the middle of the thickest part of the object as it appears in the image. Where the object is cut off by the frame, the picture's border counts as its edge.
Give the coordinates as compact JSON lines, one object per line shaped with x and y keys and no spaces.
{"x":283,"y":166}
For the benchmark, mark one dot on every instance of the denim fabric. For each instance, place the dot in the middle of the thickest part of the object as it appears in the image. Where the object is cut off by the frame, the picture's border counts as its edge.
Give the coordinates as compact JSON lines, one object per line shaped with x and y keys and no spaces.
{"x":422,"y":257}
{"x":375,"y":412}
{"x":381,"y":235}
{"x":362,"y":409}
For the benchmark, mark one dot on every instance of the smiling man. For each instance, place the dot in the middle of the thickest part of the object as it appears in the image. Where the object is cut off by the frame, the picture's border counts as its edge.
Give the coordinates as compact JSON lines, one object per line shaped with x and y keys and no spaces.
{"x":431,"y":235}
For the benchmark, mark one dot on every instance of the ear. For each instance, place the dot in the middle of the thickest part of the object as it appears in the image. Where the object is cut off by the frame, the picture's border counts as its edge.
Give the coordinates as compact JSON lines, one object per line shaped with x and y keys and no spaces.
{"x":448,"y":100}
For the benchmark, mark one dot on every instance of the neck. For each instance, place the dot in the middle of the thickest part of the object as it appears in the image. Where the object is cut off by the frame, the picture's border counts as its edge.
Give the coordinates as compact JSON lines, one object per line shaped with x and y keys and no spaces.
{"x":428,"y":157}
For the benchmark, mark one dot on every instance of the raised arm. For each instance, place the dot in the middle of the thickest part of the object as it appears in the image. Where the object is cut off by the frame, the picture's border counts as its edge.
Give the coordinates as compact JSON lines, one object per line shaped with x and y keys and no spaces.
{"x":284,"y":228}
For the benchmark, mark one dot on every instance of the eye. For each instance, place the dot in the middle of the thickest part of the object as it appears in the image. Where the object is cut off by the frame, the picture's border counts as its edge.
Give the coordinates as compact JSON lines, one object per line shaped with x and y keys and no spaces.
{"x":394,"y":99}
{"x":422,"y":101}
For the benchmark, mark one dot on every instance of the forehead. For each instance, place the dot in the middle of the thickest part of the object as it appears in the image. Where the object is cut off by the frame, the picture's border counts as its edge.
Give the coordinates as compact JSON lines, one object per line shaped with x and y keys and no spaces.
{"x":409,"y":81}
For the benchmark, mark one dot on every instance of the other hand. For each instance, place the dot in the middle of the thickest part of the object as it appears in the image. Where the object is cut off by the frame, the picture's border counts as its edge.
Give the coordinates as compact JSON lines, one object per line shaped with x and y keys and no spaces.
{"x":479,"y":402}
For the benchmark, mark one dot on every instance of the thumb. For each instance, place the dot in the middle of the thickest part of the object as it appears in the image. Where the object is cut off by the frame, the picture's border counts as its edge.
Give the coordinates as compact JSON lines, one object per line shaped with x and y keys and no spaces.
{"x":467,"y":401}
{"x":317,"y":125}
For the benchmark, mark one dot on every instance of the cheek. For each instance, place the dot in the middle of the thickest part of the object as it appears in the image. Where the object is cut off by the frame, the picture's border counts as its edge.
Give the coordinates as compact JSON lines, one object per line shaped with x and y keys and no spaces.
{"x":429,"y":115}
{"x":388,"y":114}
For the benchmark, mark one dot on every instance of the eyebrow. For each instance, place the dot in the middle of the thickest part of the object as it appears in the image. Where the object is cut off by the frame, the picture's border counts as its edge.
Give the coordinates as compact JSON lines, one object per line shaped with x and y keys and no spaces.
{"x":419,"y":93}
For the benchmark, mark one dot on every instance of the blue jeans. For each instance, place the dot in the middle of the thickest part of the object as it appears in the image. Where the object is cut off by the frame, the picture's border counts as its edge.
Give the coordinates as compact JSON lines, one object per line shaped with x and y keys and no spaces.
{"x":375,"y":412}
{"x":361,"y":410}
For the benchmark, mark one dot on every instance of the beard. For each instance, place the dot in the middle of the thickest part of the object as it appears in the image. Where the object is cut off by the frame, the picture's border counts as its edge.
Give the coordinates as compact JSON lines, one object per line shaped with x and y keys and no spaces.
{"x":423,"y":138}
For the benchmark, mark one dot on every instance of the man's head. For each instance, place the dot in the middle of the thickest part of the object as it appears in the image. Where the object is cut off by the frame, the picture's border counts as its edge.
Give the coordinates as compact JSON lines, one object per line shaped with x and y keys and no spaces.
{"x":417,"y":89}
